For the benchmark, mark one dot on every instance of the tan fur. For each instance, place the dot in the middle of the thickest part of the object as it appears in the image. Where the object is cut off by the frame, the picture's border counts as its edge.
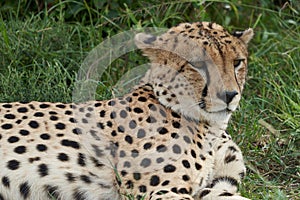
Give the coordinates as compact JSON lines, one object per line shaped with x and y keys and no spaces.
{"x":164,"y":140}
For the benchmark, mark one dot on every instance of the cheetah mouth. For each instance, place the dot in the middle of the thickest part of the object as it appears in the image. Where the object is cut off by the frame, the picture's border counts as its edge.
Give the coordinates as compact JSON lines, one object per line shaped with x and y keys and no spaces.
{"x":216,"y":107}
{"x":219,"y":107}
{"x":226,"y":109}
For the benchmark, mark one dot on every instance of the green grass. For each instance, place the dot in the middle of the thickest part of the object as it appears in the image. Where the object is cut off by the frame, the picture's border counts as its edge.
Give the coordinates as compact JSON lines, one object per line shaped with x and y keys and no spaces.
{"x":41,"y":52}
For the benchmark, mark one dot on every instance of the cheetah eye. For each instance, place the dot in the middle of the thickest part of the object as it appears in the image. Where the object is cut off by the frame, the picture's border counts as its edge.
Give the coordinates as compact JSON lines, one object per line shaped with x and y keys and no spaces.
{"x":237,"y":62}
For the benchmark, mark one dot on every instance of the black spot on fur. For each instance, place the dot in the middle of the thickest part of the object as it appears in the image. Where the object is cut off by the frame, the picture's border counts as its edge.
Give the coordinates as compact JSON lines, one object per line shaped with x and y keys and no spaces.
{"x":147,"y":146}
{"x":176,"y":124}
{"x":141,"y":133}
{"x":114,"y":133}
{"x":52,"y":191}
{"x":198,"y":166}
{"x":44,"y":106}
{"x":137,"y":110}
{"x":85,"y":179}
{"x":128,"y":139}
{"x":98,"y":151}
{"x":24,"y":190}
{"x":111,"y":103}
{"x":5,"y":181}
{"x":132,"y":124}
{"x":151,"y":119}
{"x":81,"y":160}
{"x":174,"y":135}
{"x":41,"y":147}
{"x":225,"y":194}
{"x":77,"y":195}
{"x":7,"y":105}
{"x":13,"y":164}
{"x":43,"y":170}
{"x":22,"y":110}
{"x":174,"y":189}
{"x":160,"y":160}
{"x":161,"y":148}
{"x":98,"y":104}
{"x":142,"y":188}
{"x":40,"y":114}
{"x":77,"y":131}
{"x":137,"y":176}
{"x":169,"y":168}
{"x":232,"y":148}
{"x":60,"y":126}
{"x":45,"y":136}
{"x":6,"y":126}
{"x":229,"y":158}
{"x":174,"y":114}
{"x":61,"y":106}
{"x":102,"y":113}
{"x":227,"y":179}
{"x":199,"y":145}
{"x":63,"y":157}
{"x":183,"y":191}
{"x":129,"y":184}
{"x":145,"y":162}
{"x":142,"y":99}
{"x":154,"y":181}
{"x":33,"y":124}
{"x":70,"y":177}
{"x":187,"y":139}
{"x":24,"y":132}
{"x":185,"y":178}
{"x":9,"y":116}
{"x":123,"y":114}
{"x":121,"y":129}
{"x":204,"y":193}
{"x":113,"y":115}
{"x":70,"y":143}
{"x":186,"y":164}
{"x":31,"y":160}
{"x":109,"y":123}
{"x":20,"y":149}
{"x":129,"y":99}
{"x":123,"y":173}
{"x":162,"y":130}
{"x":134,"y":153}
{"x":176,"y":149}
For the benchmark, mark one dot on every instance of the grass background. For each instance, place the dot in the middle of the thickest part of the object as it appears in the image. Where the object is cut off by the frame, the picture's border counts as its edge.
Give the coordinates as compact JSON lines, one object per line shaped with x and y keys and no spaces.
{"x":43,"y":43}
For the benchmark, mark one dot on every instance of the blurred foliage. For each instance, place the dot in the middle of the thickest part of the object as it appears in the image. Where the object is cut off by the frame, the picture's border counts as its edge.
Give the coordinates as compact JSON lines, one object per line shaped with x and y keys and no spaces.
{"x":125,"y":13}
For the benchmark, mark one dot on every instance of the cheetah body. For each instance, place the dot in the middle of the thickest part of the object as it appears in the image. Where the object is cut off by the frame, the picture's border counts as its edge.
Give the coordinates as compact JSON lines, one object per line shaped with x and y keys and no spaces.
{"x":166,"y":139}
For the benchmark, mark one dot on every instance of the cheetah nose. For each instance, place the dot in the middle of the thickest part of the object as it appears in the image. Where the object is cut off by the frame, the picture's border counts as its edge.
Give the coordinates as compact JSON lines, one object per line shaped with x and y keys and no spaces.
{"x":230,"y":95}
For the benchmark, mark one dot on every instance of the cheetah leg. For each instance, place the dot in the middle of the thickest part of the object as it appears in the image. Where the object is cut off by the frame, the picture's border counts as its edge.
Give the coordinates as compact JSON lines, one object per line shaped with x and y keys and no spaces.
{"x":169,"y":195}
{"x":228,"y":172}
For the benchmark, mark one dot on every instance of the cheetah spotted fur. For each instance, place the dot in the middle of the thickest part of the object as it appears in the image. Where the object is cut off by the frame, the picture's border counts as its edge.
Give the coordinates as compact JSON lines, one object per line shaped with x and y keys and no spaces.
{"x":166,"y":139}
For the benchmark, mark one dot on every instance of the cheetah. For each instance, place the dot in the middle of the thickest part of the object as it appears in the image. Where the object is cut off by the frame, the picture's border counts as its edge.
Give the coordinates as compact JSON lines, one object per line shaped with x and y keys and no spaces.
{"x":166,"y":139}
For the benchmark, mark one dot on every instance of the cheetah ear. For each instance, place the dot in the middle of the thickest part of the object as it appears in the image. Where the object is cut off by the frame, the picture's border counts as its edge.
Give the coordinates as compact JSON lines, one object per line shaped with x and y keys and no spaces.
{"x":245,"y":36}
{"x":143,"y":40}
{"x":147,"y":42}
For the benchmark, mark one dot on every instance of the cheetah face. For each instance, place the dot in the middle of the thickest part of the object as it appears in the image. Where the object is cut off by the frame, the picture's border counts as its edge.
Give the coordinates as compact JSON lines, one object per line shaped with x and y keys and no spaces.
{"x":198,"y":69}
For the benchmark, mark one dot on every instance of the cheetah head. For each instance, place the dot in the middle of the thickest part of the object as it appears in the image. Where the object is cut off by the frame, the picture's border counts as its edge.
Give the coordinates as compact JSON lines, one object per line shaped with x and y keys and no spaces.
{"x":197,"y":69}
